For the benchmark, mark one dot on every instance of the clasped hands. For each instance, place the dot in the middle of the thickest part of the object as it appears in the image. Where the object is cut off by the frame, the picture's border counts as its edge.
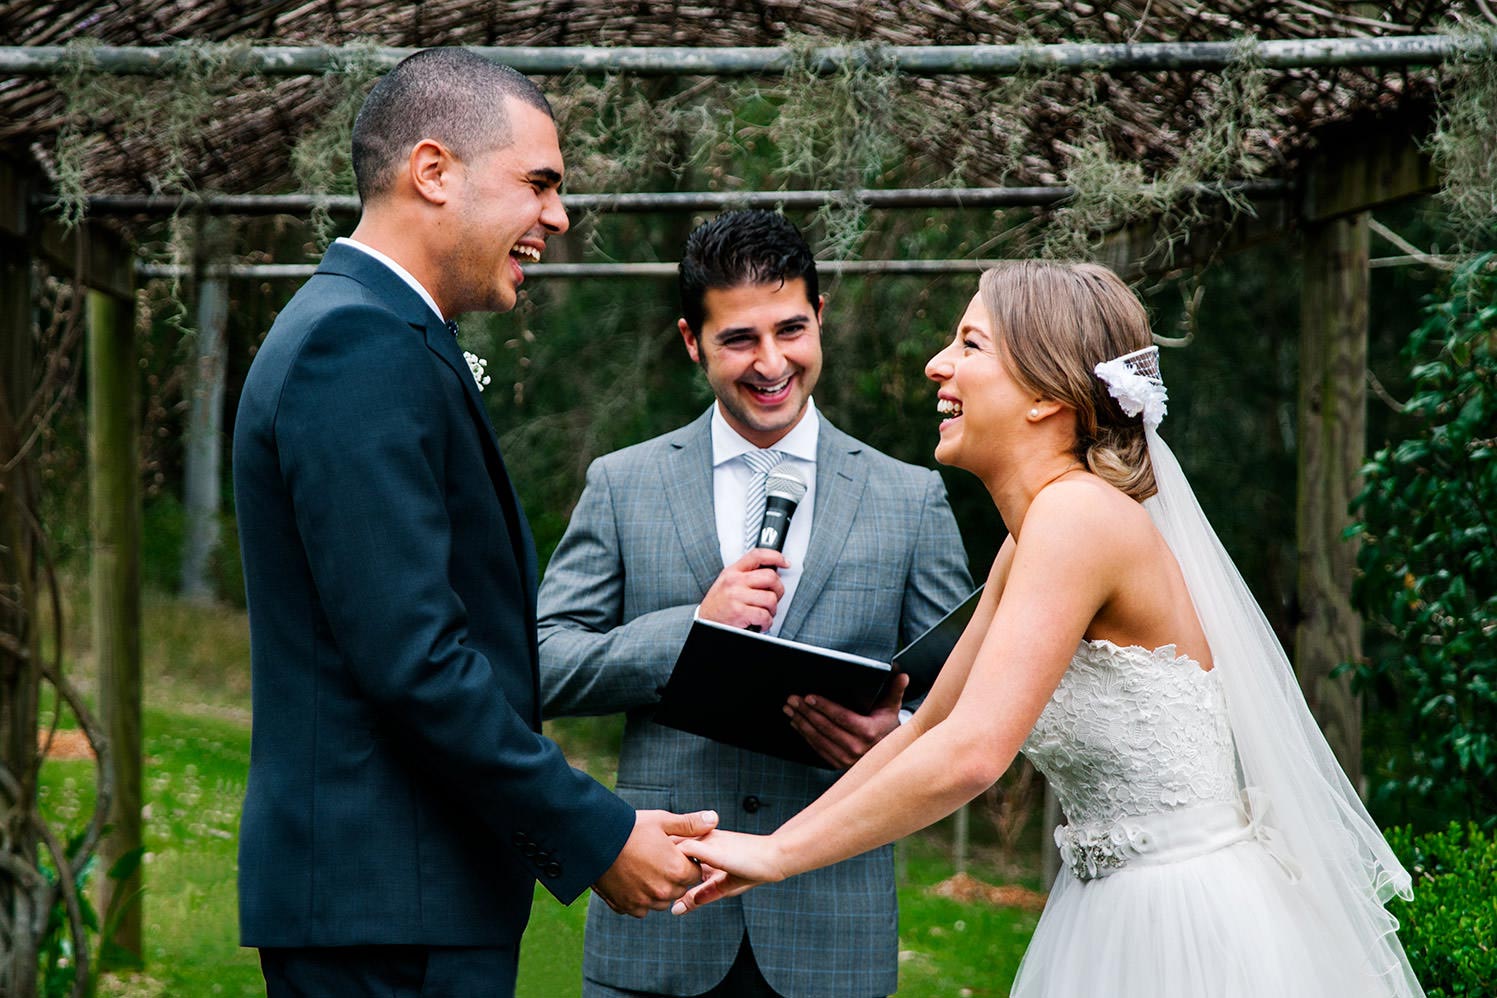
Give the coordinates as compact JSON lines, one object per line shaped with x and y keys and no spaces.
{"x":679,"y":861}
{"x":651,"y":872}
{"x":747,"y":593}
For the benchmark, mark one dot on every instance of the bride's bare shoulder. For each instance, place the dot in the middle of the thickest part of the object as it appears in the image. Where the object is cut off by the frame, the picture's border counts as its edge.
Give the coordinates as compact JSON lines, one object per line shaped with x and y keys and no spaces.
{"x":1085,"y":510}
{"x":1088,"y":494}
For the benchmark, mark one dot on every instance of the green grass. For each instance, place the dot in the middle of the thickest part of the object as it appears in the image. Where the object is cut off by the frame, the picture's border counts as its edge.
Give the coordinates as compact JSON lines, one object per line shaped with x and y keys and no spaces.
{"x":197,"y":754}
{"x":948,"y":948}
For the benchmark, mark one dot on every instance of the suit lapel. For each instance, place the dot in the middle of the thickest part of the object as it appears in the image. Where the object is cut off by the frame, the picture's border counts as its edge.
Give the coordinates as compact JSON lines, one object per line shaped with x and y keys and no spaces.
{"x":686,"y":476}
{"x":841,"y":475}
{"x":442,"y":343}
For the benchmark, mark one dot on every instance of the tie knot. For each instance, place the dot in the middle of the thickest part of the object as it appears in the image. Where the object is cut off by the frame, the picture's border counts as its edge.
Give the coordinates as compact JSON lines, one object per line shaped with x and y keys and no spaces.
{"x":763,"y":461}
{"x":452,"y":326}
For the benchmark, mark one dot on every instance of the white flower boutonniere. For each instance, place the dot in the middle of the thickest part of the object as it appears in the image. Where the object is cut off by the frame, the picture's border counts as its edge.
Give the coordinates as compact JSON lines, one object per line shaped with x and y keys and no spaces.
{"x":476,"y":364}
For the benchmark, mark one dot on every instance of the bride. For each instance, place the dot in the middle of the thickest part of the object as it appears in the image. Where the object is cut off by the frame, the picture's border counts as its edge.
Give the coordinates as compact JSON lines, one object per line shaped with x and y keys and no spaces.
{"x":1212,"y":846}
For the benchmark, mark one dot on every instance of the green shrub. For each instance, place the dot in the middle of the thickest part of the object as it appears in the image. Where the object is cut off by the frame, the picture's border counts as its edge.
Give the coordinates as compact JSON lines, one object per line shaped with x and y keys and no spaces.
{"x":1449,"y":929}
{"x":163,"y":530}
{"x":1428,"y":570}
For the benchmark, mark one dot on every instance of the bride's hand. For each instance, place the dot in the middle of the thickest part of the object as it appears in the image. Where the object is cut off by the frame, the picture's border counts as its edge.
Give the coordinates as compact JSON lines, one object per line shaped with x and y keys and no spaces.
{"x":732,"y":862}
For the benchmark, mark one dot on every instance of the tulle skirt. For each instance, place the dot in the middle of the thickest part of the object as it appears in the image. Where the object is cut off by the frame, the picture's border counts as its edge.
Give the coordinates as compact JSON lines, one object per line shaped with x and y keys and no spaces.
{"x":1231,"y":922}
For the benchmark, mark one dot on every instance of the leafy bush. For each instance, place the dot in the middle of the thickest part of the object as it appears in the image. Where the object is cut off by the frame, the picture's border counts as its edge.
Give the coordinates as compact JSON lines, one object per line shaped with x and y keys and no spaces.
{"x":1428,"y":569}
{"x":1449,"y":930}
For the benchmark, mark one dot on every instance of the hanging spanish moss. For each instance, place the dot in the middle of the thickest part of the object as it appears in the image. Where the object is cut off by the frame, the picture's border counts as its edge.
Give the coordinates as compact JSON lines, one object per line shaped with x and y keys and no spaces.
{"x":1464,"y":145}
{"x":1115,"y":190}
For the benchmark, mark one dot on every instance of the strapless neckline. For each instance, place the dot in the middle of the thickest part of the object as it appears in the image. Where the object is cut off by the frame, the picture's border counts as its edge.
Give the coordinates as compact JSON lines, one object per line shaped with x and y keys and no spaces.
{"x":1169,"y":655}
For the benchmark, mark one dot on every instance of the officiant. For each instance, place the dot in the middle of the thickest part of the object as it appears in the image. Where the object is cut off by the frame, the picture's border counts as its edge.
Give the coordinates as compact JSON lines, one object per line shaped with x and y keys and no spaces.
{"x":664,"y":532}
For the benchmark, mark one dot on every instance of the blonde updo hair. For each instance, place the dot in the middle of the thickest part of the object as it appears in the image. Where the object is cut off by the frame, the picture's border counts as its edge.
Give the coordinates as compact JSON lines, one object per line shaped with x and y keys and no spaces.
{"x":1057,"y":321}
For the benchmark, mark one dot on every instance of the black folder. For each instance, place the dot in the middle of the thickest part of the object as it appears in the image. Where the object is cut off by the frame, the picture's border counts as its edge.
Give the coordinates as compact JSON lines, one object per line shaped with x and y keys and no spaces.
{"x":731,"y":684}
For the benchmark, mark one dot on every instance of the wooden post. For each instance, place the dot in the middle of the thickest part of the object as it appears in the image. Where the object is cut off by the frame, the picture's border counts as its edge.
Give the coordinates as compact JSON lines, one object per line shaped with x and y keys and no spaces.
{"x":19,"y":652}
{"x":961,"y":839}
{"x":1332,"y":445}
{"x":115,"y":515}
{"x":202,"y":485}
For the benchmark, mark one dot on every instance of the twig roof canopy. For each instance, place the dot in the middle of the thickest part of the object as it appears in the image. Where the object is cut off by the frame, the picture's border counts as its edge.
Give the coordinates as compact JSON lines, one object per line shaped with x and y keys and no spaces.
{"x":244,"y":145}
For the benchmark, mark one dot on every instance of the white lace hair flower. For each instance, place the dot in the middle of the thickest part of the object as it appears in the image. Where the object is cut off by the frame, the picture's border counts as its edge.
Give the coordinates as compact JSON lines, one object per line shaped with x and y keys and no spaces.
{"x":1133,"y":379}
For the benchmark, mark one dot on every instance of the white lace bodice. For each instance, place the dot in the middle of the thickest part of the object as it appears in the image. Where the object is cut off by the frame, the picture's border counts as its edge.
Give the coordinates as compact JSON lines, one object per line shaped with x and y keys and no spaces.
{"x":1132,"y":732}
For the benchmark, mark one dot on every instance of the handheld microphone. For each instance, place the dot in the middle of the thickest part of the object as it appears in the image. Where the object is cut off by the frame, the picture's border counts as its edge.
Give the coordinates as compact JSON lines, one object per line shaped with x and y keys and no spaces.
{"x":783,"y":491}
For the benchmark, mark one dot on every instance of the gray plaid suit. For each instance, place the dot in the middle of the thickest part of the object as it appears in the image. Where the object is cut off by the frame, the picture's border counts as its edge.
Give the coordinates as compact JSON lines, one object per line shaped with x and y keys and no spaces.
{"x":885,"y":561}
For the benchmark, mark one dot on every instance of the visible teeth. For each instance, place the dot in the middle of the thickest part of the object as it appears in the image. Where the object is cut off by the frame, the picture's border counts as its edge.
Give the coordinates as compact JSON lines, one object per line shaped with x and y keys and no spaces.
{"x":773,"y":389}
{"x":948,"y":407}
{"x":528,"y":252}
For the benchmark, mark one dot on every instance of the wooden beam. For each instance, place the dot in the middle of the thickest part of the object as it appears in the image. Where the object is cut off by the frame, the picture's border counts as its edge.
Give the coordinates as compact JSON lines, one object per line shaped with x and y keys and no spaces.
{"x":1332,"y":443}
{"x":19,"y":190}
{"x":1138,"y":250}
{"x":1367,"y":168}
{"x":655,"y":201}
{"x":919,"y":60}
{"x":115,"y":525}
{"x":91,"y":253}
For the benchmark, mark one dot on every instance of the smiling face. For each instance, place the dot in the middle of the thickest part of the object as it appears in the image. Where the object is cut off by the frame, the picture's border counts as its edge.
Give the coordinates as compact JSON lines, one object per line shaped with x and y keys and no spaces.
{"x":760,"y":346}
{"x":508,"y":203}
{"x":980,"y":401}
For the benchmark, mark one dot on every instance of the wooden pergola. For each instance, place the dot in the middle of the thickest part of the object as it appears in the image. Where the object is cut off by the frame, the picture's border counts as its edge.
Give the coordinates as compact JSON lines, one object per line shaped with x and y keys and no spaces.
{"x":1325,"y":192}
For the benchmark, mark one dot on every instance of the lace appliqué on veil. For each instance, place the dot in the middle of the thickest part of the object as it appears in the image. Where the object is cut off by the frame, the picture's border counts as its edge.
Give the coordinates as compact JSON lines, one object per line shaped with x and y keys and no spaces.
{"x":1133,"y":379}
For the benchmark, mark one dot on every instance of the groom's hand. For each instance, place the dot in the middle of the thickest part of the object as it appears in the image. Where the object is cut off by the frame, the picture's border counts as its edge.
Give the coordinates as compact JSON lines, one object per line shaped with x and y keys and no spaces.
{"x":651,"y":872}
{"x":842,"y":736}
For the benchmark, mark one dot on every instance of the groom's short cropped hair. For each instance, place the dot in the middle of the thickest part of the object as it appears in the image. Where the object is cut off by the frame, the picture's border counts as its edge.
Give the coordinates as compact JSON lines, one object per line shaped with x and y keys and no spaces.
{"x":748,"y":246}
{"x":451,"y":95}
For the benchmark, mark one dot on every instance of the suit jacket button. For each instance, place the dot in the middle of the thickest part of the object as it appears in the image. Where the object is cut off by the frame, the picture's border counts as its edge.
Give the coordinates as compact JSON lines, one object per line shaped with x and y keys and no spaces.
{"x":519,"y":839}
{"x":553,"y":869}
{"x":751,"y":804}
{"x":531,"y":849}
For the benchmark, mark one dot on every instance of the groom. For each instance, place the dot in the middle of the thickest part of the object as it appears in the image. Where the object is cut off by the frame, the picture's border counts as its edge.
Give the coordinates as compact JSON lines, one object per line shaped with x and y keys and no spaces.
{"x":401,"y":801}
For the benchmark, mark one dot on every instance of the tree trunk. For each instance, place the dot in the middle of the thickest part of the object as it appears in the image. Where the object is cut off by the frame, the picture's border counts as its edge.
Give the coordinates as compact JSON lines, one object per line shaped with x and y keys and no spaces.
{"x":20,"y":921}
{"x":113,"y":418}
{"x":202,"y":471}
{"x":1332,"y":444}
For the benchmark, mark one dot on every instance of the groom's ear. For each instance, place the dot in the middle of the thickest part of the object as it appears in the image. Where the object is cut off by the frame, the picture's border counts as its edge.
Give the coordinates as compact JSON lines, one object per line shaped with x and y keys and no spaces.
{"x":430,"y":169}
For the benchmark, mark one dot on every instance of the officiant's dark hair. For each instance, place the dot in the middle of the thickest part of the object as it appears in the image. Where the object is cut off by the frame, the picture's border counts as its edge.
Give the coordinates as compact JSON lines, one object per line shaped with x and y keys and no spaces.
{"x":1056,"y":322}
{"x":451,"y":95}
{"x":748,"y":246}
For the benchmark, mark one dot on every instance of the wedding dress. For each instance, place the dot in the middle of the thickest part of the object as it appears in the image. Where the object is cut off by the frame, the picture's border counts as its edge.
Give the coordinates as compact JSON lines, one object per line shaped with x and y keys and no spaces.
{"x":1173,"y":885}
{"x":1213,"y":846}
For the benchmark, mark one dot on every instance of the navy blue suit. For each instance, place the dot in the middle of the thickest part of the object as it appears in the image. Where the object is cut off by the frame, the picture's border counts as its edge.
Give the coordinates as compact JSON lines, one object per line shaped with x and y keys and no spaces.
{"x":399,"y":792}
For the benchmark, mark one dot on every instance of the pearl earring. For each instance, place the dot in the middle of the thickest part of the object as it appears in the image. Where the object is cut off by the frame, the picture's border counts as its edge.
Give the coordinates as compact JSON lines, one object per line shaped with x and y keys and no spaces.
{"x":1034,"y":414}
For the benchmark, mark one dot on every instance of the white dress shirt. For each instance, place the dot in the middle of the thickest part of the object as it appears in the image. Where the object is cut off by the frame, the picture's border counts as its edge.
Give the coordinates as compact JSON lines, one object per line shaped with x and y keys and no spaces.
{"x":400,"y":272}
{"x":731,"y":476}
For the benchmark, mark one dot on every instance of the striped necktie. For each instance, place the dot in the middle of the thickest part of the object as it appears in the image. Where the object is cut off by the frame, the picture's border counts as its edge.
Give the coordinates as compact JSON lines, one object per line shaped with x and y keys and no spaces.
{"x":761,"y":462}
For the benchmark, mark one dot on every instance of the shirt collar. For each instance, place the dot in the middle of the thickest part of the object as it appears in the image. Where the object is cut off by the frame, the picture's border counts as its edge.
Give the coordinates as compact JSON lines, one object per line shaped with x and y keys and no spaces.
{"x":799,"y":443}
{"x":400,"y":272}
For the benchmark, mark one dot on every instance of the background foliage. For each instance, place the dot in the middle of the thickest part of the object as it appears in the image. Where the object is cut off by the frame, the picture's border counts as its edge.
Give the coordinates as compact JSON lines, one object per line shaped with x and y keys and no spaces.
{"x":1448,"y":929}
{"x":1428,"y":560}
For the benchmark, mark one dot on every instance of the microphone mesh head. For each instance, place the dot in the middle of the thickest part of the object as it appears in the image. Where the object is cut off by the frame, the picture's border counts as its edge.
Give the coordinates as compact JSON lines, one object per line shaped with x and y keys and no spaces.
{"x":786,"y":484}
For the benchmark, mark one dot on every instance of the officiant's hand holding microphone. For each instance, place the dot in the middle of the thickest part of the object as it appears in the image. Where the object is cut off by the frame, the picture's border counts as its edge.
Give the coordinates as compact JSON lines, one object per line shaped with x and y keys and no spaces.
{"x":747,"y":594}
